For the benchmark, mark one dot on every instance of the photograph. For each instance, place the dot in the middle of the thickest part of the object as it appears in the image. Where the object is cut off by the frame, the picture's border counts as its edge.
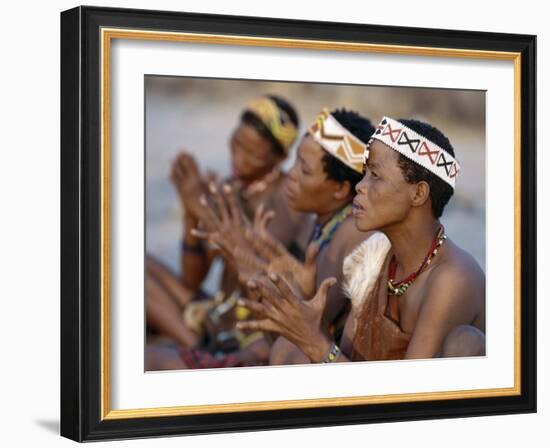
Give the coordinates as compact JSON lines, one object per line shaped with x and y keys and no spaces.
{"x":295,"y":223}
{"x":288,"y":223}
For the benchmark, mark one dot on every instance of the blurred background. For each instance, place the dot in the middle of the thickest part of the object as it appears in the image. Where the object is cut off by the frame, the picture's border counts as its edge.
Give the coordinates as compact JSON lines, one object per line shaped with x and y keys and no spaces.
{"x":200,"y":114}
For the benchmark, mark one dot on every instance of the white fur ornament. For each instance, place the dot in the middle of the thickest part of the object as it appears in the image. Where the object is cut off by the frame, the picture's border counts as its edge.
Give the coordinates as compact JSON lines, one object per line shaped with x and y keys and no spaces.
{"x":362,"y":267}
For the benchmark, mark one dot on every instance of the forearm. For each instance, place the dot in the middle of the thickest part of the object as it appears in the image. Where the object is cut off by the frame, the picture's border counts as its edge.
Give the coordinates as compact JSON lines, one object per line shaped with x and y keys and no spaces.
{"x":255,"y":353}
{"x":169,"y":281}
{"x":194,"y":260}
{"x":165,"y":315}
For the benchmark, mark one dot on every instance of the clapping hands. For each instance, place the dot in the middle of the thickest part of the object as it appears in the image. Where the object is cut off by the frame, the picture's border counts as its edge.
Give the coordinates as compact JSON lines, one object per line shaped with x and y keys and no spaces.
{"x":279,"y":308}
{"x":189,"y":184}
{"x":249,"y":246}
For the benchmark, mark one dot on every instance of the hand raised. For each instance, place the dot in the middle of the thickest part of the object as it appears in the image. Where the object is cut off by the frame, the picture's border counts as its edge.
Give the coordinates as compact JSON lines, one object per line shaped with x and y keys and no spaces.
{"x":188,"y":182}
{"x":282,"y":311}
{"x":224,"y":221}
{"x":277,"y":257}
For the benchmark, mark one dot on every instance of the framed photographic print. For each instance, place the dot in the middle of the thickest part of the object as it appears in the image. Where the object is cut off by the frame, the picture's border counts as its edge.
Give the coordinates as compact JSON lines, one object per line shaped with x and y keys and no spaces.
{"x":275,"y":223}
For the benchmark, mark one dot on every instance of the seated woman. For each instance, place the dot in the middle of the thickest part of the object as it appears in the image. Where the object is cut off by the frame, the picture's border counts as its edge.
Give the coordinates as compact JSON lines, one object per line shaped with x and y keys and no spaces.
{"x":322,"y":181}
{"x":414,"y":292}
{"x":259,"y":144}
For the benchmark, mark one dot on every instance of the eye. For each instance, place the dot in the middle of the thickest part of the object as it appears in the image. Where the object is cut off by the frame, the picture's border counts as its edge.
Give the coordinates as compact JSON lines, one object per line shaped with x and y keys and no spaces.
{"x":370,"y":172}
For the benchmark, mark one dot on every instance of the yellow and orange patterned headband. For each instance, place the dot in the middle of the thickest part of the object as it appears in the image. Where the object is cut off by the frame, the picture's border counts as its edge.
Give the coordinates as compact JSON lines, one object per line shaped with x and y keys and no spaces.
{"x":338,"y":141}
{"x":275,"y":119}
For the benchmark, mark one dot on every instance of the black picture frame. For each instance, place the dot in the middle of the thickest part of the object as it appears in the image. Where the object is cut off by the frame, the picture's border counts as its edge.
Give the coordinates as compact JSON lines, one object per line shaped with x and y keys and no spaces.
{"x":81,"y":381}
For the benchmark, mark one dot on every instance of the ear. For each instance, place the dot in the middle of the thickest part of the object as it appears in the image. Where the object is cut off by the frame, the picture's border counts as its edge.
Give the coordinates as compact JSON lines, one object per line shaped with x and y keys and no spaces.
{"x":343,"y":190}
{"x":420,"y":194}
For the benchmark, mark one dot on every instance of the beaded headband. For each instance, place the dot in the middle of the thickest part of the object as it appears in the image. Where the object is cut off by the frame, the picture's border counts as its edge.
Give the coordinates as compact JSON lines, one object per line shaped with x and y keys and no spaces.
{"x":417,"y":148}
{"x":275,"y":120}
{"x":338,"y":141}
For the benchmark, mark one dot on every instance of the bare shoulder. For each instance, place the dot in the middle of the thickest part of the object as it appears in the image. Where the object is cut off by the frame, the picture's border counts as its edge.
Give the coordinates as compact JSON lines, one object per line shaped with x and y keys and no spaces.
{"x":457,"y":281}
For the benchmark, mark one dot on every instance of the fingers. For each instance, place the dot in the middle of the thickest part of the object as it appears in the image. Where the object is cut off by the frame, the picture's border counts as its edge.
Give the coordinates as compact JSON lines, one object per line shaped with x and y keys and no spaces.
{"x":177,"y":173}
{"x":256,"y":307}
{"x":208,"y":216}
{"x":295,"y":286}
{"x":258,"y":213}
{"x":256,"y":245}
{"x":219,"y":201}
{"x":272,"y":244}
{"x":265,"y":219}
{"x":283,"y":286}
{"x":223,"y":245}
{"x":260,"y":228}
{"x":247,"y":265}
{"x":269,"y":293}
{"x":266,"y":245}
{"x":258,"y":325}
{"x":233,"y":206}
{"x":184,"y":166}
{"x":211,"y":176}
{"x":311,"y":254}
{"x":320,"y":298}
{"x":200,"y":234}
{"x":248,"y":260}
{"x":253,"y":291}
{"x":188,"y":165}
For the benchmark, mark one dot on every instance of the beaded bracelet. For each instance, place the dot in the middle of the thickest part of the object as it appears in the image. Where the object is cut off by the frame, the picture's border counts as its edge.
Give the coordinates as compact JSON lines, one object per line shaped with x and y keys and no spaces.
{"x":194,"y":249}
{"x":332,"y":354}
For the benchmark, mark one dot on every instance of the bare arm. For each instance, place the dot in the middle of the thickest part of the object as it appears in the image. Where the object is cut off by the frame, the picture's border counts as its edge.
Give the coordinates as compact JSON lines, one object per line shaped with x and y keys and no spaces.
{"x":190,"y":186}
{"x":451,"y":300}
{"x":195,"y":258}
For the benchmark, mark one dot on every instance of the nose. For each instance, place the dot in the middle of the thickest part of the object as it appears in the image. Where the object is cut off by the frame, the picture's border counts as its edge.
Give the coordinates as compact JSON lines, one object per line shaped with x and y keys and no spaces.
{"x":361,"y":186}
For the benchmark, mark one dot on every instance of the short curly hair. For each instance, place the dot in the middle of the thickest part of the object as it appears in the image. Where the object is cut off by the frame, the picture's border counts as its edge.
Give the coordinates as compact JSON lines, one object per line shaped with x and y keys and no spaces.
{"x":361,"y":128}
{"x":440,"y":191}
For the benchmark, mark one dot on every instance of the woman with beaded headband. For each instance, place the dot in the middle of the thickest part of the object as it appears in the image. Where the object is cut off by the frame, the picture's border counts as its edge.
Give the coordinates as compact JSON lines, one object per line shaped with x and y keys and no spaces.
{"x":322,"y":181}
{"x":259,"y":144}
{"x":414,"y":292}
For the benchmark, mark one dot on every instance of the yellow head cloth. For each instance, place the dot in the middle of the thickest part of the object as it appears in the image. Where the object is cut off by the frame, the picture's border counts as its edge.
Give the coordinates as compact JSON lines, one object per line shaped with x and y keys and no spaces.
{"x":338,"y":141}
{"x":275,"y":120}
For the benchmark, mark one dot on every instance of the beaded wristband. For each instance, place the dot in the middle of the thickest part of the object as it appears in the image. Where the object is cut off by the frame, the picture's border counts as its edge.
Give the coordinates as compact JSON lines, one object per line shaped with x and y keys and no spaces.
{"x":332,"y":354}
{"x":194,"y":249}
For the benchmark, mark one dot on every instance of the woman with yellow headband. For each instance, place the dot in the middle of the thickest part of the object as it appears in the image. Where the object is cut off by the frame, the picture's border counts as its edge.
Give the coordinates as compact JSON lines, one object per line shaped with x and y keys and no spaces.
{"x":259,"y":144}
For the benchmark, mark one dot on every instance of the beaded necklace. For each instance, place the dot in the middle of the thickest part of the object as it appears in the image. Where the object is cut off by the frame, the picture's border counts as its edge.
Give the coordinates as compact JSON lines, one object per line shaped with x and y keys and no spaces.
{"x":399,"y":288}
{"x":322,"y":233}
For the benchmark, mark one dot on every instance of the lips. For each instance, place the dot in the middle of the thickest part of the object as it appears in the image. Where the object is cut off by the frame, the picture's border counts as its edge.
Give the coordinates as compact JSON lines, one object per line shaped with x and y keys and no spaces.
{"x":357,"y":207}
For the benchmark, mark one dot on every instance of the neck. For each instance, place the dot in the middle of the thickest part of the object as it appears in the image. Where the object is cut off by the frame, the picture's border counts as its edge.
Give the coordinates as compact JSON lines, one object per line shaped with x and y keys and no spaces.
{"x":411,"y":240}
{"x":323,"y":218}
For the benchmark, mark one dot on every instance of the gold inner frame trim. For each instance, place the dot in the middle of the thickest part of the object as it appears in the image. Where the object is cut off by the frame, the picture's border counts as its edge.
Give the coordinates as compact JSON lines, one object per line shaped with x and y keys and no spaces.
{"x":107,"y":34}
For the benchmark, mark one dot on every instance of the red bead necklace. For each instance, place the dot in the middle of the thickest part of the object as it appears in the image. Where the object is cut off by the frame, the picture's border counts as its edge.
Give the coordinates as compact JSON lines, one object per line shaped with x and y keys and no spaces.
{"x":399,"y":288}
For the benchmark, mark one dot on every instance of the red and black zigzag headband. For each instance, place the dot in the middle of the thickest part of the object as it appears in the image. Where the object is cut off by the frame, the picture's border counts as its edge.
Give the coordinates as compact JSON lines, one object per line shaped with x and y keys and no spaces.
{"x":417,"y":148}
